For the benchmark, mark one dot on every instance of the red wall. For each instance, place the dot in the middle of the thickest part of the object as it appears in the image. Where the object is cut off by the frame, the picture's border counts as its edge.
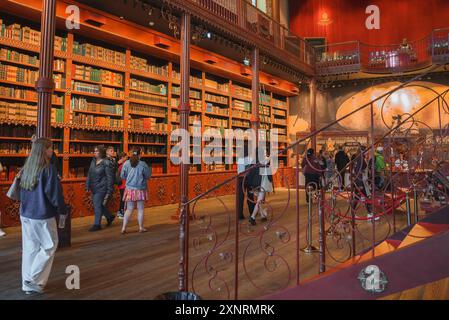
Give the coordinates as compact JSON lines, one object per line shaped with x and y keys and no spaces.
{"x":411,"y":19}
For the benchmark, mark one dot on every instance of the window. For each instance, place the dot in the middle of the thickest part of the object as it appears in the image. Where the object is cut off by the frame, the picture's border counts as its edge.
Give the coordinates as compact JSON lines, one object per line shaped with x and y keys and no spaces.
{"x":260,"y":4}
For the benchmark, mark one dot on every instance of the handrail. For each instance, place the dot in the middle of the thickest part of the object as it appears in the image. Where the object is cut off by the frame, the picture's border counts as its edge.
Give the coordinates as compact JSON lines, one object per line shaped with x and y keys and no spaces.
{"x":294,"y":144}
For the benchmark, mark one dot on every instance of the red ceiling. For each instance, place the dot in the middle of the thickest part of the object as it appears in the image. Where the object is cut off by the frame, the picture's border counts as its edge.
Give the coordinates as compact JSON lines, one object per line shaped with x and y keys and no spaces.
{"x":412,"y":19}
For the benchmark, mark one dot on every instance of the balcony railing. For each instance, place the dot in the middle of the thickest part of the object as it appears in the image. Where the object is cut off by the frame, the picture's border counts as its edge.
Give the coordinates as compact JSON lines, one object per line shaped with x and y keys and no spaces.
{"x":243,"y":14}
{"x":351,"y":57}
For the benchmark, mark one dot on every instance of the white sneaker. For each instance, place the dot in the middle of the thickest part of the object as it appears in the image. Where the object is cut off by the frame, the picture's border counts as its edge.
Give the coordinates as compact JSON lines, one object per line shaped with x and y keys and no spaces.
{"x":2,"y":233}
{"x":33,"y":288}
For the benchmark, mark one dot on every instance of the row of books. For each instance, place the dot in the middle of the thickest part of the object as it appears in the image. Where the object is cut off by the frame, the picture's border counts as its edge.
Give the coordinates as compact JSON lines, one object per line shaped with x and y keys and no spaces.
{"x":223,"y":87}
{"x":97,"y":52}
{"x":18,"y":74}
{"x":142,"y":65}
{"x":264,"y":110}
{"x":264,"y":118}
{"x":78,"y":172}
{"x":11,"y":55}
{"x":27,"y":112}
{"x":216,"y":122}
{"x":26,"y":94}
{"x":195,"y":105}
{"x":265,"y":98}
{"x":240,"y":123}
{"x":148,"y":87}
{"x":95,"y":135}
{"x":106,"y":77}
{"x":192,"y":93}
{"x":154,"y":150}
{"x":157,"y":168}
{"x":282,"y":131}
{"x":279,"y":103}
{"x":241,"y":105}
{"x":82,"y":104}
{"x":147,"y":124}
{"x":264,"y":125}
{"x":241,"y":114}
{"x":77,"y":148}
{"x":148,"y":110}
{"x":217,"y":110}
{"x":145,"y":138}
{"x":17,"y":132}
{"x":280,"y":121}
{"x":97,"y":89}
{"x":91,"y":120}
{"x":176,"y":75}
{"x":27,"y":35}
{"x":59,"y":80}
{"x":21,"y":147}
{"x":152,"y":98}
{"x":281,"y":113}
{"x":242,"y":91}
{"x":216,"y":99}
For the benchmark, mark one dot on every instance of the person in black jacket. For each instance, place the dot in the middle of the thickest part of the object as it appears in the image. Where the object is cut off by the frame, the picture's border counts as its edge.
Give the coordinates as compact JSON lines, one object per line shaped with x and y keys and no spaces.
{"x":100,"y":181}
{"x":341,"y":160}
{"x":41,"y":200}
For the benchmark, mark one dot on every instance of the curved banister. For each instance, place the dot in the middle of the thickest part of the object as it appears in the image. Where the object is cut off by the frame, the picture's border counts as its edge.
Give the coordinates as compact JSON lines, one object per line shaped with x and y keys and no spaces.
{"x":294,"y":144}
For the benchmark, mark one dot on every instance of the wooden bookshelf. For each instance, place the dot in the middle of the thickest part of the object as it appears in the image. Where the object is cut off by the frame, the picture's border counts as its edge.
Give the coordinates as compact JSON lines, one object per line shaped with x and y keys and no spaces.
{"x":166,"y":74}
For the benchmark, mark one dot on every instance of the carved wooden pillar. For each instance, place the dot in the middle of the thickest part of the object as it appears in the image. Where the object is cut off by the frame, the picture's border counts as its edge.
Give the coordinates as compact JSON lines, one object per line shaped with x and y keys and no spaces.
{"x":45,"y":83}
{"x":255,"y":119}
{"x":313,"y":92}
{"x":184,"y":111}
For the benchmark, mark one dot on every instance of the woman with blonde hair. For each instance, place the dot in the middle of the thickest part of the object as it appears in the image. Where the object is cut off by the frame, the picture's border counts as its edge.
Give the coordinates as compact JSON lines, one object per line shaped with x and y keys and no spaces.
{"x":41,"y":200}
{"x":136,"y":173}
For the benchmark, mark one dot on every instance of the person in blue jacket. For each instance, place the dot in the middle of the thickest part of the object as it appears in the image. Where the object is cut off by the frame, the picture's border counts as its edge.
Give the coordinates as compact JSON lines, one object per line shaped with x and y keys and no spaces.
{"x":136,"y":173}
{"x":41,"y":200}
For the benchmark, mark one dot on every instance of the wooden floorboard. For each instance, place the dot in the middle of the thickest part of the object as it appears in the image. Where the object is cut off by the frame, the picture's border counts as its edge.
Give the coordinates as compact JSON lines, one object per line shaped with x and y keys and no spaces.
{"x":438,"y":290}
{"x":141,"y":266}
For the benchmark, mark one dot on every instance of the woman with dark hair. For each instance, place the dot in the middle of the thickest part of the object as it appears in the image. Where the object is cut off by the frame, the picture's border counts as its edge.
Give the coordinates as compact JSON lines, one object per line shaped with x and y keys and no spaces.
{"x":312,"y":171}
{"x":136,"y":173}
{"x":41,"y":200}
{"x":100,"y":181}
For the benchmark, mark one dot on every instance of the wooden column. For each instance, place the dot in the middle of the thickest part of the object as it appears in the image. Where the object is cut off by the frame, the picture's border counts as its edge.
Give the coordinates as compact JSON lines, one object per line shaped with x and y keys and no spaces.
{"x":255,"y":119}
{"x":184,"y":111}
{"x":313,"y":91}
{"x":45,"y":83}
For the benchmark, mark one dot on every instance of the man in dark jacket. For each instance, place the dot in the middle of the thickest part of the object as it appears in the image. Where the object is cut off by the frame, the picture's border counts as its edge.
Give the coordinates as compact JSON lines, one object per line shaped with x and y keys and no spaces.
{"x":341,"y":160}
{"x":359,"y":166}
{"x":312,"y":170}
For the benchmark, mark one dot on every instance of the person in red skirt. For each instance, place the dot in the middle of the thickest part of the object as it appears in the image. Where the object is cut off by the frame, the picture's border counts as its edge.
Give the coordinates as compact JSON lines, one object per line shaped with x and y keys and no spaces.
{"x":136,"y":173}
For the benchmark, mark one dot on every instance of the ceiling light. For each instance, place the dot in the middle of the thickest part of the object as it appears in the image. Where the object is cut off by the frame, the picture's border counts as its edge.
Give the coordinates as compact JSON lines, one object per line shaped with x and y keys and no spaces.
{"x":246,"y":61}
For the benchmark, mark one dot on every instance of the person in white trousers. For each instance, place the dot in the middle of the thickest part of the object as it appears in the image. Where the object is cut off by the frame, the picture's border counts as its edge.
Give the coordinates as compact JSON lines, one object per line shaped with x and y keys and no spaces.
{"x":41,"y":200}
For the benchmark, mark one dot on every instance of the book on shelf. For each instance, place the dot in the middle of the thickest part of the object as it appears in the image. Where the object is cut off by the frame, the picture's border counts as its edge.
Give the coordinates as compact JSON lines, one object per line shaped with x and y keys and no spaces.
{"x":97,"y":52}
{"x":157,"y":168}
{"x":145,"y":138}
{"x":148,"y":110}
{"x":215,"y":98}
{"x":26,"y":94}
{"x":214,"y":109}
{"x":93,"y":120}
{"x":95,"y":135}
{"x":192,"y":93}
{"x":78,"y":172}
{"x":279,"y":103}
{"x":176,"y":75}
{"x":241,"y":105}
{"x":98,"y":89}
{"x":241,"y":114}
{"x":195,"y":105}
{"x":142,"y":64}
{"x":21,"y":148}
{"x":14,"y":56}
{"x":27,"y":112}
{"x":147,"y":124}
{"x":27,"y":35}
{"x":82,"y":104}
{"x":212,"y":84}
{"x":242,"y":91}
{"x":105,"y":77}
{"x":148,"y":97}
{"x":148,"y":87}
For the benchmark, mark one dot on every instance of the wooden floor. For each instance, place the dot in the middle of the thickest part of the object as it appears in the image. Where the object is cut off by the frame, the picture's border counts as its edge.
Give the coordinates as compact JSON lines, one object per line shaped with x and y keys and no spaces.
{"x":438,"y":290}
{"x":141,"y":266}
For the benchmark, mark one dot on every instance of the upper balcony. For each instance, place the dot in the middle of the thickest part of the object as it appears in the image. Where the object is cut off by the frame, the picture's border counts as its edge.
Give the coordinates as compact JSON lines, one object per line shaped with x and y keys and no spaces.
{"x":353,"y":57}
{"x":242,"y":20}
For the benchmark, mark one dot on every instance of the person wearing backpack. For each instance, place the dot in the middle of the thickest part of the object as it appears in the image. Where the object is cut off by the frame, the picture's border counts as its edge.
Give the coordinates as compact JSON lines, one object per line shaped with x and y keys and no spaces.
{"x":136,"y":173}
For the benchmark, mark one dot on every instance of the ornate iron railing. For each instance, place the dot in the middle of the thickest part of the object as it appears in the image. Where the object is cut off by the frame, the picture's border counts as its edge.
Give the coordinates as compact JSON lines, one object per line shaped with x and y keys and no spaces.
{"x":229,"y":258}
{"x":351,"y":57}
